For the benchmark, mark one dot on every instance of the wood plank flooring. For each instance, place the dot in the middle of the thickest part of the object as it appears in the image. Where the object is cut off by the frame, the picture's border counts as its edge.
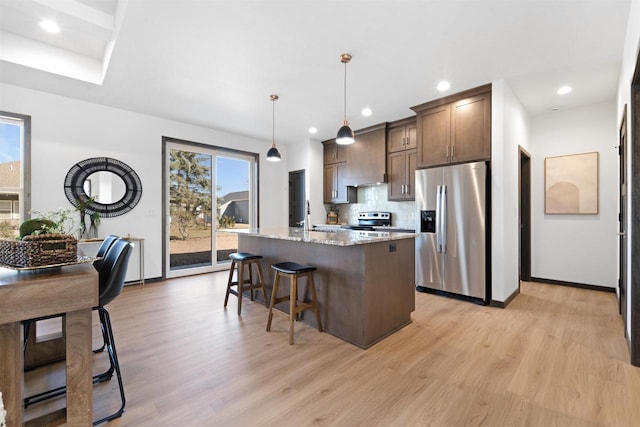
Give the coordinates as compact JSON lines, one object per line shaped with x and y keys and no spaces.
{"x":555,"y":357}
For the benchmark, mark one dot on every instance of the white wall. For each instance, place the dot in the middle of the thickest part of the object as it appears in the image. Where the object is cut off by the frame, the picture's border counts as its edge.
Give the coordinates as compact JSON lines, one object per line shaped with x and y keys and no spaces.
{"x":576,"y":248}
{"x":509,"y":129}
{"x":307,"y":156}
{"x":629,"y":58}
{"x":65,"y":131}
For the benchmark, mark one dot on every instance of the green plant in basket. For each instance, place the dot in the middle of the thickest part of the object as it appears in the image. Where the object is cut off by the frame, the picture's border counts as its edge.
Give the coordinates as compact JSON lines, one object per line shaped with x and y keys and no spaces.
{"x":55,"y":222}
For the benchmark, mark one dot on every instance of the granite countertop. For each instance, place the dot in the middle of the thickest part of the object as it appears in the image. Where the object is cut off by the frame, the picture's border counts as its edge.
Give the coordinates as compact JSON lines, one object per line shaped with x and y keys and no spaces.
{"x":338,"y":237}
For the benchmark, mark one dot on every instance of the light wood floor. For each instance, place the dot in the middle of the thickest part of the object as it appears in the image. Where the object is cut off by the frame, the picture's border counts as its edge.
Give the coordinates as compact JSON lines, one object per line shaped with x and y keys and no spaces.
{"x":555,"y":357}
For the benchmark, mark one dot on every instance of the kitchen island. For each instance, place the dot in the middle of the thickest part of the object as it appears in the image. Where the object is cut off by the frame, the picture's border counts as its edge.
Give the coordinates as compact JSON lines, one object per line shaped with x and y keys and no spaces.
{"x":364,"y":281}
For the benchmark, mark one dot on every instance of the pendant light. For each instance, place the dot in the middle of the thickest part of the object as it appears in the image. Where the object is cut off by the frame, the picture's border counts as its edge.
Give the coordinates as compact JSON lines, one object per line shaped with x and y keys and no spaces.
{"x":345,"y":133}
{"x":273,"y":155}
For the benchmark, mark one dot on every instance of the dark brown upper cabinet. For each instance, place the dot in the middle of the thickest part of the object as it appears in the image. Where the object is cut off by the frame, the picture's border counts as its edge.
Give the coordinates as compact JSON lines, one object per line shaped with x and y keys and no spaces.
{"x":335,"y":171}
{"x":334,"y":153}
{"x":455,"y":129}
{"x":401,"y":159}
{"x":366,"y":157}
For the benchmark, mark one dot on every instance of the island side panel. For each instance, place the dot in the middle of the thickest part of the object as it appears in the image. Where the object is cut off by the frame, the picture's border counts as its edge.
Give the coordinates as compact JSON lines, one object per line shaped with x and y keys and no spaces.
{"x":339,"y":281}
{"x":389,"y":291}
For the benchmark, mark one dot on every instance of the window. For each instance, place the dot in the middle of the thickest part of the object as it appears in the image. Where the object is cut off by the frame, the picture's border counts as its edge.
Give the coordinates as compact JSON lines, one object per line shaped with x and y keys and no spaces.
{"x":15,"y":182}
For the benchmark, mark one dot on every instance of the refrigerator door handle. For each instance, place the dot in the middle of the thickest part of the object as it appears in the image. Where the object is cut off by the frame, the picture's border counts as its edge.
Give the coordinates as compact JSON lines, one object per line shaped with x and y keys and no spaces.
{"x":443,"y":221}
{"x":438,"y":219}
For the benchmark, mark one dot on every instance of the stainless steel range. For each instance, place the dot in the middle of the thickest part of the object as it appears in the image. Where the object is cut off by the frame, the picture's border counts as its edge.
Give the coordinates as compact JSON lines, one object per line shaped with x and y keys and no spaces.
{"x":370,"y":220}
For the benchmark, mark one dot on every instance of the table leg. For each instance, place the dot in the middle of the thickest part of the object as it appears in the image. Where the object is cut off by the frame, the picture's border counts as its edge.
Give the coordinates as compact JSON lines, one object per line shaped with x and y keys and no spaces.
{"x":11,"y":381}
{"x":79,"y":368}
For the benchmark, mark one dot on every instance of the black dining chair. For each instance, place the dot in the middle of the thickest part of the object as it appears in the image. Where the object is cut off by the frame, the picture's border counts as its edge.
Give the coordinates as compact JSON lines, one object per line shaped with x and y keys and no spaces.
{"x":112,"y":273}
{"x":104,"y":247}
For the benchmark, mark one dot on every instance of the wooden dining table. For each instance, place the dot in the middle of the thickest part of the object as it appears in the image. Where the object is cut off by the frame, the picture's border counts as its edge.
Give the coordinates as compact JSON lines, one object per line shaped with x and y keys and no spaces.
{"x":72,"y":290}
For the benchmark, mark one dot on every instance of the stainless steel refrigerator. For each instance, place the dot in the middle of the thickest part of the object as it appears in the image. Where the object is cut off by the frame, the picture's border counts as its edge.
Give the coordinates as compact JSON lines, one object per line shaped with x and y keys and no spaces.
{"x":452,"y":254}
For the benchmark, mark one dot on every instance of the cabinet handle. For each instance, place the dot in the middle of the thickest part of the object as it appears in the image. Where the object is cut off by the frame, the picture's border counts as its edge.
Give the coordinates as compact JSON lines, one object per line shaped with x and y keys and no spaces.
{"x":406,"y":189}
{"x":402,"y":189}
{"x":453,"y":152}
{"x":448,"y":150}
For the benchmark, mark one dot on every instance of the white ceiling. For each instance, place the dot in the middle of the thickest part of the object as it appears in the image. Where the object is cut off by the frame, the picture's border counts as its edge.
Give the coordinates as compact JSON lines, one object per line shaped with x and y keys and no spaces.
{"x":214,"y":63}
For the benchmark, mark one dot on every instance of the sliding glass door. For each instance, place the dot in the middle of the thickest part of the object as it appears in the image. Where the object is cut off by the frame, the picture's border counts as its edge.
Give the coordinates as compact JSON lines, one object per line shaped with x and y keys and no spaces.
{"x":209,"y":195}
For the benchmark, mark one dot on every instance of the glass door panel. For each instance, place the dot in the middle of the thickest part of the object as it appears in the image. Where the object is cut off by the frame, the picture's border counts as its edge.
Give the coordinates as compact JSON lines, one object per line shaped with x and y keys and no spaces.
{"x":233,"y":203}
{"x":190,"y":212}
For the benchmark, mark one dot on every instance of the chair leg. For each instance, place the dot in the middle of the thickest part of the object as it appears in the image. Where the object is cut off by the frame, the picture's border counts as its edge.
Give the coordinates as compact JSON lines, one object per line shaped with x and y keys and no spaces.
{"x":104,"y":335}
{"x":315,"y":300}
{"x":249,"y":266}
{"x":108,"y":374}
{"x":274,"y":292}
{"x":261,"y":279}
{"x":105,"y":321}
{"x":226,"y":297}
{"x":240,"y":285}
{"x":292,"y":306}
{"x":113,"y":356}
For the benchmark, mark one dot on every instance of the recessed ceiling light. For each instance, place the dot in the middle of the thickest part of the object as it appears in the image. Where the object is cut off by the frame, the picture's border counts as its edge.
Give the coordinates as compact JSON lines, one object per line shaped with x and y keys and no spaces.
{"x":443,"y":85}
{"x":564,"y":90}
{"x":49,"y":26}
{"x":366,"y":112}
{"x":313,"y":130}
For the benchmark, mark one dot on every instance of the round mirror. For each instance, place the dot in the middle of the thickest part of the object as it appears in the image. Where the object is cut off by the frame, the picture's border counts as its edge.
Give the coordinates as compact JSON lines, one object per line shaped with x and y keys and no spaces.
{"x":104,"y":186}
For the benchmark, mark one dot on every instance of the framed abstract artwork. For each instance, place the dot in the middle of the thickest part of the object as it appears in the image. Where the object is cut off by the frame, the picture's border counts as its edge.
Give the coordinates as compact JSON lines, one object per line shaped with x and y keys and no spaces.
{"x":571,"y":184}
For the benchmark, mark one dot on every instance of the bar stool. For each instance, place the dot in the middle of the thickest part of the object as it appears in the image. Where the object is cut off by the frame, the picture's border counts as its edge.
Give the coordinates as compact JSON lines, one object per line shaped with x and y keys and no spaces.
{"x":293,"y":271}
{"x":240,"y":260}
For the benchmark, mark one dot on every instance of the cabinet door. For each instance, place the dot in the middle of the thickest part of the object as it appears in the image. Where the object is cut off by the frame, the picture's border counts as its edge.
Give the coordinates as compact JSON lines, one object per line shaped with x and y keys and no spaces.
{"x":340,"y":187}
{"x":329,"y":183}
{"x":411,"y":136}
{"x":334,"y":153}
{"x":341,"y":153}
{"x":366,"y":159}
{"x":395,"y":139}
{"x":471,"y":129}
{"x":330,"y":152}
{"x":410,"y":167}
{"x":434,"y":136}
{"x":396,"y":172}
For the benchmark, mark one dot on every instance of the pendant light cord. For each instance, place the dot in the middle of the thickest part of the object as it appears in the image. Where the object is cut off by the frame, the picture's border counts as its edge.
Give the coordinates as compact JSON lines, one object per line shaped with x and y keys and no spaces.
{"x":273,"y":124}
{"x":345,"y":91}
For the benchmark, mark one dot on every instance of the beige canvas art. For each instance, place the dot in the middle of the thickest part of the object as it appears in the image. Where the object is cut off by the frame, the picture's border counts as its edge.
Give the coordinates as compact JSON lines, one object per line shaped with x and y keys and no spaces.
{"x":571,"y":184}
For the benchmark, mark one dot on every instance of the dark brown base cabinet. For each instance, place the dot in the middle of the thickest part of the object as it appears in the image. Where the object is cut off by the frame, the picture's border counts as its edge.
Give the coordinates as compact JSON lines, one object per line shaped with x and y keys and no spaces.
{"x":455,"y":129}
{"x":365,"y":291}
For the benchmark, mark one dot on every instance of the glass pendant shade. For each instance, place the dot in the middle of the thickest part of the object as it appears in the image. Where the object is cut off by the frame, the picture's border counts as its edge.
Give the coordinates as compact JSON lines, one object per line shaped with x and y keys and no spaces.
{"x":345,"y":135}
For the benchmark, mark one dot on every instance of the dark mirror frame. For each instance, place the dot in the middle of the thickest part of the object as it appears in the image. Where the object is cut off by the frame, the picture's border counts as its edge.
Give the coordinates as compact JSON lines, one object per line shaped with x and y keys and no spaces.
{"x":77,"y":175}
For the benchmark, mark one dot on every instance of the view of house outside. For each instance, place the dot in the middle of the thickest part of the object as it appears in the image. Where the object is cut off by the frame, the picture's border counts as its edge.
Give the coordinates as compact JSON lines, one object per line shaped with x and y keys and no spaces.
{"x":10,"y":172}
{"x":193,"y":213}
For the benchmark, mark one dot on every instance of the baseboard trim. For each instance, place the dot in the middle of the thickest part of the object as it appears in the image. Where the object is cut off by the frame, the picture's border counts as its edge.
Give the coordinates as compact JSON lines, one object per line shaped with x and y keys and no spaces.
{"x":137,"y":281}
{"x":504,"y":304}
{"x":573,"y":284}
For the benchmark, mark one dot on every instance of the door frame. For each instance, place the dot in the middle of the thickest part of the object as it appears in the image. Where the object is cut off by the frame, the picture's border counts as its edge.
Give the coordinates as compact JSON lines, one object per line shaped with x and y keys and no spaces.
{"x":301,"y":174}
{"x":622,"y":218}
{"x":634,"y":220}
{"x":216,"y":150}
{"x":524,"y":213}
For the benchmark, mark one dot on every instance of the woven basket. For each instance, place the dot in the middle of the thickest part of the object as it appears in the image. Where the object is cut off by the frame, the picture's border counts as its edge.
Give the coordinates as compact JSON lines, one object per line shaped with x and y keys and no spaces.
{"x":35,"y":251}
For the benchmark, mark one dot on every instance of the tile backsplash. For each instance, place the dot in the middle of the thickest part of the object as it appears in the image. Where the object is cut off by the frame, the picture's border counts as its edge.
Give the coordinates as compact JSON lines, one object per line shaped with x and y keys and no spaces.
{"x":374,"y":198}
